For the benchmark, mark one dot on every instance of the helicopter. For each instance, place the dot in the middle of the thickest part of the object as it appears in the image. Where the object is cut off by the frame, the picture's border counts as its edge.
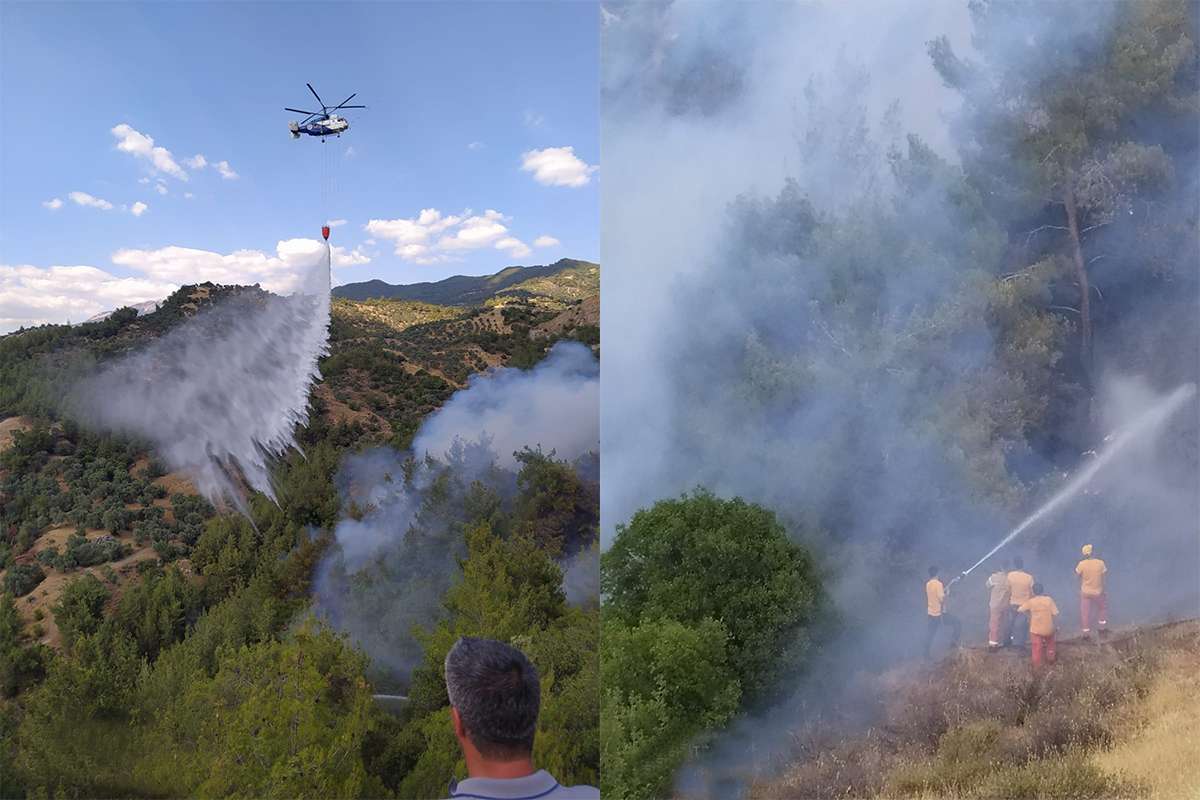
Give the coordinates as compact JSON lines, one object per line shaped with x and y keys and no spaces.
{"x":321,"y":123}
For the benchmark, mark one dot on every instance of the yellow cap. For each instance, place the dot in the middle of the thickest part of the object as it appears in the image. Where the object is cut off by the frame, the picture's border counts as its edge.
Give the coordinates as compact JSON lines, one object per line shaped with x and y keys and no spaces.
{"x":1087,"y":549}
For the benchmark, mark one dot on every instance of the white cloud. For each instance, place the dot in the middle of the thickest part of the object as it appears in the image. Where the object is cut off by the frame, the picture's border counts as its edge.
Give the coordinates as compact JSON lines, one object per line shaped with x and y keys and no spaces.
{"x":197,"y":161}
{"x":546,"y":241}
{"x":142,"y":146}
{"x":475,"y":146}
{"x":607,"y":17}
{"x":85,"y":199}
{"x":513,"y":246}
{"x":138,"y":208}
{"x":53,"y":204}
{"x":161,"y":187}
{"x":432,"y":237}
{"x":143,"y":180}
{"x":351,"y":152}
{"x":475,"y":232}
{"x":557,"y":166}
{"x":188,"y":195}
{"x":36,"y":296}
{"x":336,"y":223}
{"x":349,"y":258}
{"x":226,"y":171}
{"x":533,"y":119}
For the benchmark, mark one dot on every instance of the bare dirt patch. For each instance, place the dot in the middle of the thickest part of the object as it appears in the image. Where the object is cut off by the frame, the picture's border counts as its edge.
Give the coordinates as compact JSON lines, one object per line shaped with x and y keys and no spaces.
{"x":9,"y":426}
{"x":339,"y":412}
{"x":47,"y":593}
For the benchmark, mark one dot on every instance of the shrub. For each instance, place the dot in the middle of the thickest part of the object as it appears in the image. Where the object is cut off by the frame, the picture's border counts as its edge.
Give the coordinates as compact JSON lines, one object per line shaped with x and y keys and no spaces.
{"x":81,"y":608}
{"x":22,"y":579}
{"x":1072,"y":777}
{"x":701,"y":557}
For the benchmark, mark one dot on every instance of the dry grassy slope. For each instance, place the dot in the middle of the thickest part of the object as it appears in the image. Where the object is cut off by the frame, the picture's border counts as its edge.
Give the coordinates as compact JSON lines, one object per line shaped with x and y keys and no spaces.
{"x":395,"y":315}
{"x":1162,"y":747}
{"x":1127,"y":709}
{"x":562,"y":288}
{"x":586,"y":312}
{"x":47,"y":593}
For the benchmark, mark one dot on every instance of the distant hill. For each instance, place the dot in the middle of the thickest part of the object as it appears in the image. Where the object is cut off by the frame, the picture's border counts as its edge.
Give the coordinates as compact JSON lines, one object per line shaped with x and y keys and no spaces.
{"x":578,"y":278}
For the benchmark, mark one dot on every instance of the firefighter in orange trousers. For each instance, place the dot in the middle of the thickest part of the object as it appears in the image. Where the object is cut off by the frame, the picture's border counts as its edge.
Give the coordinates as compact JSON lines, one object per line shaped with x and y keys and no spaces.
{"x":1042,"y":611}
{"x":1093,"y":600}
{"x":997,"y":585}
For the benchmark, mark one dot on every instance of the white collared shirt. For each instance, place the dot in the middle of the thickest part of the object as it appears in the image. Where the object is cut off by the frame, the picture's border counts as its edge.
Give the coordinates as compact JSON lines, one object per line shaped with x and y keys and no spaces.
{"x":538,"y":786}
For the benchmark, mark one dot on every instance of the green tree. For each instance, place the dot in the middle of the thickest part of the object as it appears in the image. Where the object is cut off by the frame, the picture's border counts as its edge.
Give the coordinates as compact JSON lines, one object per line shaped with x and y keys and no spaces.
{"x":702,"y":558}
{"x":80,"y":610}
{"x":158,"y":610}
{"x":663,"y":685}
{"x":278,"y":719}
{"x":554,"y":507}
{"x":1057,"y":94}
{"x":21,"y":663}
{"x":510,"y":590}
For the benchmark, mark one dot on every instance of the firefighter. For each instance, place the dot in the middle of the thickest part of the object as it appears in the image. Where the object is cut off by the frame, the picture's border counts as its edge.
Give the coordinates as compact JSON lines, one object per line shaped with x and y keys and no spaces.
{"x":1020,"y":589}
{"x":1042,"y":611}
{"x":1093,"y":600}
{"x":935,"y":601}
{"x":997,"y":583}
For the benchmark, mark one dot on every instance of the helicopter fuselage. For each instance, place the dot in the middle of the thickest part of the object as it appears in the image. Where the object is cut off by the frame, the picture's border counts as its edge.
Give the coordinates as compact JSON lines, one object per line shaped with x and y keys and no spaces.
{"x":329,"y":127}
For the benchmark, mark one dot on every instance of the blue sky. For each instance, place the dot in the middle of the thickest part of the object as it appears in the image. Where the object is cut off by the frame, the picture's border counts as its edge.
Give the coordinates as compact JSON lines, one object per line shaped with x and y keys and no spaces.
{"x":484,"y":116}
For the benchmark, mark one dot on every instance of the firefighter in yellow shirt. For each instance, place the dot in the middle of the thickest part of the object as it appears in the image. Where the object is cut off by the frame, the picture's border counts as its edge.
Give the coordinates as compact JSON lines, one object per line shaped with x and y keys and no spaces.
{"x":1042,"y":611}
{"x":1093,"y":600}
{"x":1020,"y":589}
{"x":935,"y":606}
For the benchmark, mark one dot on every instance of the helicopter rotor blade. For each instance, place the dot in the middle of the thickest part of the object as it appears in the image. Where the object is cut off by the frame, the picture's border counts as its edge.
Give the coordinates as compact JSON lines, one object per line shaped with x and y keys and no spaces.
{"x":301,"y":111}
{"x":343,"y":103}
{"x":339,"y":107}
{"x":314,"y":91}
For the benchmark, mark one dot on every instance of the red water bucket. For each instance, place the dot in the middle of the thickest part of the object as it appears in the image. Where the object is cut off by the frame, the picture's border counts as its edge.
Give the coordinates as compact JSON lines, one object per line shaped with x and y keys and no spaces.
{"x":325,"y":232}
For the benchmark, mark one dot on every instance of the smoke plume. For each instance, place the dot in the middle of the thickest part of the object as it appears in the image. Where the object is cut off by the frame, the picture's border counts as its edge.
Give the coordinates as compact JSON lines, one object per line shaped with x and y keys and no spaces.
{"x":397,"y":550}
{"x":222,"y":394}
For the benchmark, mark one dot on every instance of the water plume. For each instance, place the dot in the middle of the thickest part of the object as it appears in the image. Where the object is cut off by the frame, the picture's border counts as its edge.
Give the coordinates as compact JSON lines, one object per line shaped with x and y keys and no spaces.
{"x":221,"y":395}
{"x":1115,"y":443}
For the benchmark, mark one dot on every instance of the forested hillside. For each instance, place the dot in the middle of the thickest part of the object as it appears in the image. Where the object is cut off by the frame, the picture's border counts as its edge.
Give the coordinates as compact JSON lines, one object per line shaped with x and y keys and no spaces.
{"x":134,"y":613}
{"x":901,"y":353}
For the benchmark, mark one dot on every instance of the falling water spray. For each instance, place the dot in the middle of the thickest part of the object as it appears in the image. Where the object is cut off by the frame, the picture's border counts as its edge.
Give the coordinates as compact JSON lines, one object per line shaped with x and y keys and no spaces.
{"x":1144,"y":425}
{"x":222,"y":394}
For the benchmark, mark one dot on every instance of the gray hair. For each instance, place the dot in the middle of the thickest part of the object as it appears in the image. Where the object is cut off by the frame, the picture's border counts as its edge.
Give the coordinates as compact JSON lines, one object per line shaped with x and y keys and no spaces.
{"x":496,"y":691}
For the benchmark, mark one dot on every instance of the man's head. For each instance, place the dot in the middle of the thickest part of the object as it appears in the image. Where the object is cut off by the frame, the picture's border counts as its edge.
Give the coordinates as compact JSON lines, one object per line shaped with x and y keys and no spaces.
{"x":494,"y":698}
{"x":1087,"y":551}
{"x":1019,"y":562}
{"x":1037,"y":588}
{"x":933,"y":571}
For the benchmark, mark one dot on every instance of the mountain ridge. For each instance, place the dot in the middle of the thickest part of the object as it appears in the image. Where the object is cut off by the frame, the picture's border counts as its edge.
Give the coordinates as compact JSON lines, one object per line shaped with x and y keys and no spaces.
{"x":460,"y":290}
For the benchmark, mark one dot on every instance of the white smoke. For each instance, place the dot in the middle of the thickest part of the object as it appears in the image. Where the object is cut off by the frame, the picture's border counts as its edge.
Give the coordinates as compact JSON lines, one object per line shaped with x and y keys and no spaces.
{"x":222,"y":394}
{"x":545,"y":406}
{"x":397,"y":550}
